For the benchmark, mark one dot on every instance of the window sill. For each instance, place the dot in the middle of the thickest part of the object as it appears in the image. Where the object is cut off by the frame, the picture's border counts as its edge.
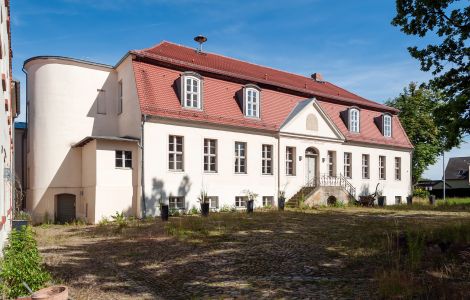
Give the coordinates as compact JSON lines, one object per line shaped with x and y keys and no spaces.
{"x":267,"y":174}
{"x":235,"y":173}
{"x":192,"y":108}
{"x":211,"y":172}
{"x":123,"y":168}
{"x":176,"y":171}
{"x":291,"y":175}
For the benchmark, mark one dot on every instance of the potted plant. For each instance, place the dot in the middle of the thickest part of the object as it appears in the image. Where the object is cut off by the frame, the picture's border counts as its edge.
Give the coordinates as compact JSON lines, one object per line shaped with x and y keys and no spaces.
{"x":21,"y":218}
{"x":281,"y":199}
{"x":204,"y":200}
{"x":250,"y":204}
{"x":164,"y":211}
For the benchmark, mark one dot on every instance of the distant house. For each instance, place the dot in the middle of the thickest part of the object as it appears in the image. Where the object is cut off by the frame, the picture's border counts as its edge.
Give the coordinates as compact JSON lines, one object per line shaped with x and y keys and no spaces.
{"x":457,"y":179}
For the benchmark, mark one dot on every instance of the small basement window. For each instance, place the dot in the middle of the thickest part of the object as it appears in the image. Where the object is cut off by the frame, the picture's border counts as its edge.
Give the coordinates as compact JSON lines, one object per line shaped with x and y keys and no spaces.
{"x":240,"y":201}
{"x":213,"y":202}
{"x":176,"y":202}
{"x":268,"y":201}
{"x":123,"y":159}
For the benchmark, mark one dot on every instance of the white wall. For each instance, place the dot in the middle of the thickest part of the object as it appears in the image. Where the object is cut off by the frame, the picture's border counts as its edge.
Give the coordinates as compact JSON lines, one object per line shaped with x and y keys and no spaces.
{"x":161,"y":182}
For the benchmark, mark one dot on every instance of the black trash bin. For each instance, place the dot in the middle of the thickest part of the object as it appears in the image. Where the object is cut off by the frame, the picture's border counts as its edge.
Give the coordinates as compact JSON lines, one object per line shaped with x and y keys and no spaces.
{"x":409,"y":200}
{"x":432,"y":199}
{"x":249,"y":206}
{"x":204,"y":209}
{"x":281,"y":202}
{"x":381,"y":200}
{"x":164,"y":212}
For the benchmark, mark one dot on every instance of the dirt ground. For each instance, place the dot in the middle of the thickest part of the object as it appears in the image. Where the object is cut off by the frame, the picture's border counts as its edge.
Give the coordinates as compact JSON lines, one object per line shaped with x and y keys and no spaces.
{"x":319,"y":254}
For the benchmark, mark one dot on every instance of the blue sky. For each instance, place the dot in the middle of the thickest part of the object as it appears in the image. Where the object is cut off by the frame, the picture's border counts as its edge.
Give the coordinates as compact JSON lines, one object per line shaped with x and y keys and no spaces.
{"x":350,"y":42}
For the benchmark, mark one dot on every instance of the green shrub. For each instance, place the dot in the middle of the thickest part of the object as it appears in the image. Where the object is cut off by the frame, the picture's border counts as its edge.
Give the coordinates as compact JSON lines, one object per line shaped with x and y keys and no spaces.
{"x":22,"y":263}
{"x":120,"y":220}
{"x":103,"y":222}
{"x":420,"y":193}
{"x":23,"y":215}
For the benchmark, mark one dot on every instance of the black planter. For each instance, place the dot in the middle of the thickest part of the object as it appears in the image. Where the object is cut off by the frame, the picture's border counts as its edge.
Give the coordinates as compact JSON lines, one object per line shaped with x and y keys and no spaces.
{"x":432,"y":199}
{"x":281,"y":201}
{"x":250,"y":204}
{"x":16,"y":224}
{"x":381,"y":200}
{"x":205,"y":209}
{"x":164,"y":212}
{"x":409,"y":200}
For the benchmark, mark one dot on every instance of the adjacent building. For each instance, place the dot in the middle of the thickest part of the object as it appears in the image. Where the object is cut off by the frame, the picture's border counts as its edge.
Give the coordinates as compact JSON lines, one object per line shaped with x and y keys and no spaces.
{"x":168,"y":122}
{"x":457,"y":179}
{"x":9,"y":96}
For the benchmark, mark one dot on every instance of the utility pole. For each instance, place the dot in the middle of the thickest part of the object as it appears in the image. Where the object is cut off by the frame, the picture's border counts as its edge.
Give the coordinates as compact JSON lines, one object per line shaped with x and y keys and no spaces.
{"x":444,"y":176}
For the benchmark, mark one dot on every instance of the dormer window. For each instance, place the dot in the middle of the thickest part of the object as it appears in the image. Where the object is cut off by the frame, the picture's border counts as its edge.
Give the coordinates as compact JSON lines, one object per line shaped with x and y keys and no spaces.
{"x":354,"y":120}
{"x":191,"y":91}
{"x":387,"y":125}
{"x":251,"y":101}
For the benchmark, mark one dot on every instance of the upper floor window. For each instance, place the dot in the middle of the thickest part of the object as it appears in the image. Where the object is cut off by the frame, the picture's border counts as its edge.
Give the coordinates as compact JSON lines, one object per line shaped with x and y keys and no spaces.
{"x":354,"y":120}
{"x":267,"y":159}
{"x":331,"y":161}
{"x":240,"y":157}
{"x":365,"y":166}
{"x":119,"y":108}
{"x":397,"y":168}
{"x":290,"y":160}
{"x":175,"y":153}
{"x":210,"y":155}
{"x":348,"y":164}
{"x":251,"y":101}
{"x":191,"y":90}
{"x":382,"y":167}
{"x":387,"y":125}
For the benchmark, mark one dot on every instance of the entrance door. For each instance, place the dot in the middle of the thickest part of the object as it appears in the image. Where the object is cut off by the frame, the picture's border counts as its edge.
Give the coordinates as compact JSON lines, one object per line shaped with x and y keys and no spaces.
{"x":65,"y":208}
{"x":311,"y":161}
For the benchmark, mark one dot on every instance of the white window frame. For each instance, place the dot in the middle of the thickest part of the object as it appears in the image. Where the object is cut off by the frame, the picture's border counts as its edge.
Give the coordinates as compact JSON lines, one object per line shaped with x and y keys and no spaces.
{"x":331,"y":164}
{"x":240,"y":201}
{"x":268,"y":201}
{"x":123,"y":159}
{"x":398,"y":168}
{"x":209,"y":166}
{"x":290,"y":161}
{"x":240,"y":158}
{"x":347,"y":162}
{"x":365,"y":166}
{"x":382,"y":167}
{"x":176,"y":202}
{"x":267,"y":159}
{"x":119,"y":104}
{"x":174,"y":153}
{"x":387,"y":125}
{"x":213,"y":202}
{"x":191,"y":102}
{"x":354,"y":120}
{"x":252,"y":102}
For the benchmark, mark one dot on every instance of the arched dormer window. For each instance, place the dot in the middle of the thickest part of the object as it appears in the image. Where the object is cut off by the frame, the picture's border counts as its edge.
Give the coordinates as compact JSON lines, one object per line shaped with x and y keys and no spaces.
{"x":312,"y":122}
{"x":251,"y":101}
{"x":354,"y":120}
{"x":387,"y":125}
{"x":191,"y":90}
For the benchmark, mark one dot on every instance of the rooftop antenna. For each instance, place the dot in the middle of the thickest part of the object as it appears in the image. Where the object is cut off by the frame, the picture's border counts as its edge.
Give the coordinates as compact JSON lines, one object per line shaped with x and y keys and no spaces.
{"x":201,"y":40}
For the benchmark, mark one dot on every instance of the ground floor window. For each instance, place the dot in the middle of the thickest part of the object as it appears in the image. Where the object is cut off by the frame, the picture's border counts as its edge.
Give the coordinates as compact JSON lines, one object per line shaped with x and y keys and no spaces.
{"x":176,"y":202}
{"x":213,"y":202}
{"x":268,"y":200}
{"x":240,"y":201}
{"x":397,"y":199}
{"x":123,"y":159}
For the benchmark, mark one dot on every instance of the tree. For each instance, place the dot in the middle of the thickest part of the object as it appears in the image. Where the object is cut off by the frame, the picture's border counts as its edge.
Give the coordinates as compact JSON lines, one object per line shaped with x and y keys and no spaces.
{"x":417,"y":107}
{"x":448,"y":59}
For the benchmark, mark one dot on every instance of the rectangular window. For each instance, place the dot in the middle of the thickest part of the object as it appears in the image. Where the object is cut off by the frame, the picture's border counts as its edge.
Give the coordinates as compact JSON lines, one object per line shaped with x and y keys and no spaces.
{"x":365,"y":166}
{"x":331,"y":161}
{"x":101,"y":102}
{"x":267,"y":159}
{"x":240,"y":201}
{"x":175,"y":153}
{"x":123,"y":159}
{"x":213,"y":202}
{"x":176,"y":202}
{"x":397,"y":199}
{"x":290,"y":160}
{"x":210,"y":155}
{"x":119,"y":107}
{"x":252,"y":102}
{"x":268,"y":201}
{"x":347,"y":164}
{"x":397,"y":168}
{"x":192,"y":92}
{"x":240,"y":157}
{"x":382,"y":167}
{"x":387,"y":124}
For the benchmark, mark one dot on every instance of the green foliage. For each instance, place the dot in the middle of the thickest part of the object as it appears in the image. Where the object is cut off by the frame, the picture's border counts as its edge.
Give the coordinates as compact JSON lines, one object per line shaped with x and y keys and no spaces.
{"x":22,"y":263}
{"x":103,"y":222}
{"x":22,"y":215}
{"x":174,"y":212}
{"x":225,"y":208}
{"x":193,"y":211}
{"x":447,"y":58}
{"x":417,"y":106}
{"x":421,"y":193}
{"x":120,"y":220}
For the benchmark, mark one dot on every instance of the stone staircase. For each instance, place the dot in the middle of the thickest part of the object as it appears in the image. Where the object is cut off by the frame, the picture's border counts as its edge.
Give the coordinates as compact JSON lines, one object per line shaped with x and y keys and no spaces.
{"x":305,"y":192}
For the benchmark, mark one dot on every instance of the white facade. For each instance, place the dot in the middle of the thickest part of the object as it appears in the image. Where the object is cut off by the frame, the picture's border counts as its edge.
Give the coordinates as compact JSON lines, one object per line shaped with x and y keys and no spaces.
{"x":76,"y":126}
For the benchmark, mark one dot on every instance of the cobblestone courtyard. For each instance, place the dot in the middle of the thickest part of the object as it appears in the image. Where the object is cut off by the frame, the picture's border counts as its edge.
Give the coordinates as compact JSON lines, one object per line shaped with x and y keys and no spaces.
{"x":322,"y":254}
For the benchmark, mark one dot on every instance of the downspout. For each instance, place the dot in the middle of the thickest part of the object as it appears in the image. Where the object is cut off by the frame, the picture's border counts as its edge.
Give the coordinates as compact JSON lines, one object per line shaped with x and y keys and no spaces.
{"x":24,"y":158}
{"x":278,"y":163}
{"x":142,"y":177}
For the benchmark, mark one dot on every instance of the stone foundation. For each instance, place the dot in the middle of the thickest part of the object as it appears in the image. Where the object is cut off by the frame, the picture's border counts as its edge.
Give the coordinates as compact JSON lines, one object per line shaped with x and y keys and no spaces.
{"x":321,"y":195}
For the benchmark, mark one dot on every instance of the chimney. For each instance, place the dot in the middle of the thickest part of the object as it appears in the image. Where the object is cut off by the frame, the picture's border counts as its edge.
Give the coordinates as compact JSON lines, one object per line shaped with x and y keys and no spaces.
{"x":317,"y":77}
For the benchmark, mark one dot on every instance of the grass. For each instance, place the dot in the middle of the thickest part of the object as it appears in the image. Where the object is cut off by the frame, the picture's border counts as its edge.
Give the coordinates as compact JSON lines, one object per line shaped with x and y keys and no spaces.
{"x":332,"y":252}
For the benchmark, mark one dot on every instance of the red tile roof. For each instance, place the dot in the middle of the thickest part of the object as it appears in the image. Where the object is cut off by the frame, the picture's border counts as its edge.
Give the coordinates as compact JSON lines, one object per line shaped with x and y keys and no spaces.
{"x":157,"y":69}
